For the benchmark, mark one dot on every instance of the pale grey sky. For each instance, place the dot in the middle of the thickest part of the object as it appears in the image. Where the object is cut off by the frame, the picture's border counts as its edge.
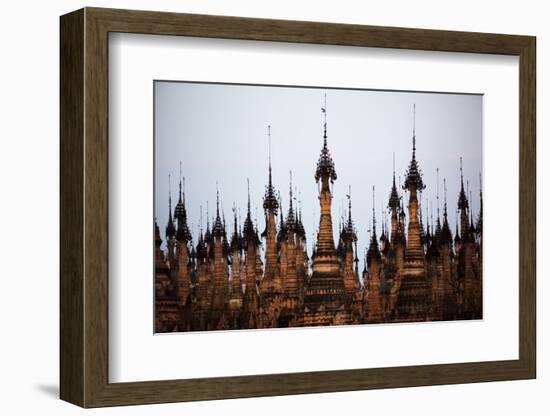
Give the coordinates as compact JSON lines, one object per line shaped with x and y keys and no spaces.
{"x":219,"y":132}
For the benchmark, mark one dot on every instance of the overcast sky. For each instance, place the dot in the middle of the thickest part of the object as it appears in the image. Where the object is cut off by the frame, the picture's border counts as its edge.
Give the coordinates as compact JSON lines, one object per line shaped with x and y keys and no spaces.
{"x":219,"y":133}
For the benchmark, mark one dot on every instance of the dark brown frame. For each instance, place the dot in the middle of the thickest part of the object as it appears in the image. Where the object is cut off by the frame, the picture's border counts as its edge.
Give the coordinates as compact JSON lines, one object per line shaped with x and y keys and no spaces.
{"x":84,"y":210}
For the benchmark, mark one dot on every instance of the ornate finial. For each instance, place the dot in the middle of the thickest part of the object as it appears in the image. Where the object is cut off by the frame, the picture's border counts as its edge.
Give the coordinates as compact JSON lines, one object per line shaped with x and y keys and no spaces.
{"x":373,"y":210}
{"x":170,"y":229}
{"x":445,"y":202}
{"x":324,"y":110}
{"x":437,"y":196}
{"x":217,"y":200}
{"x":201,"y":218}
{"x":349,"y":201}
{"x":393,"y":202}
{"x":414,"y":129}
{"x":413,"y":178}
{"x":269,"y":151}
{"x":248,"y":187}
{"x":479,"y":224}
{"x":207,"y":217}
{"x":181,"y":179}
{"x":462,"y":200}
{"x":290,"y":190}
{"x":169,"y":198}
{"x":269,"y":144}
{"x":270,"y":200}
{"x":234,"y":209}
{"x":325,"y":164}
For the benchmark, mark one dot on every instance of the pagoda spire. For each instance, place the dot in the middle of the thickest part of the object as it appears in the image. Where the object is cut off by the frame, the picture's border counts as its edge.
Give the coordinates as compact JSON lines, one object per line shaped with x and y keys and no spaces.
{"x":414,"y":130}
{"x":462,"y":200}
{"x":248,"y":228}
{"x":479,"y":224}
{"x":394,"y":205}
{"x":373,"y":213}
{"x":235,"y":238}
{"x":218,"y":229}
{"x":326,"y":285}
{"x":325,"y":165}
{"x":349,"y":228}
{"x":446,"y":236}
{"x":324,"y":110}
{"x":270,"y":200}
{"x":180,"y":213}
{"x":290,"y":219}
{"x":438,"y":221}
{"x":472,"y":228}
{"x":414,"y":253}
{"x":170,"y":228}
{"x":373,"y":252}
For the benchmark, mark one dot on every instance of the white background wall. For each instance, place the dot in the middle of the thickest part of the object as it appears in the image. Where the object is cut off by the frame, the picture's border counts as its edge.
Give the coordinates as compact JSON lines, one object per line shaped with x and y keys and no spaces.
{"x":29,"y":184}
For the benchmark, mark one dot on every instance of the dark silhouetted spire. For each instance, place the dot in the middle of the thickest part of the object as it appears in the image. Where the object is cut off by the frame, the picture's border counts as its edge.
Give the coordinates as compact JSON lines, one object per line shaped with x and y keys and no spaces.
{"x":158,"y":240}
{"x":472,"y":228}
{"x":236,"y":243}
{"x":373,"y":252}
{"x":170,"y":228}
{"x":218,"y":228}
{"x":462,"y":200}
{"x":249,"y":232}
{"x":413,"y":179}
{"x":325,"y":164}
{"x":446,"y":236}
{"x":393,"y":202}
{"x":290,"y":218}
{"x":270,"y":200}
{"x":180,"y":213}
{"x":349,"y":231}
{"x":300,"y":230}
{"x":479,"y":224}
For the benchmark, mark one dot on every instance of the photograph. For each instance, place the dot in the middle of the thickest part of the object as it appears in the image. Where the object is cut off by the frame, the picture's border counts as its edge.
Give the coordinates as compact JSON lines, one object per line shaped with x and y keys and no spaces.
{"x":281,"y":206}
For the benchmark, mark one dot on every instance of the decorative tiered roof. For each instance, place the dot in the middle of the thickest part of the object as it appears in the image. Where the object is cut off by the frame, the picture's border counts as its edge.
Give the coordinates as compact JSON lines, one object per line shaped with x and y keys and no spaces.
{"x":349,"y":230}
{"x":170,"y":228}
{"x":393,"y":202}
{"x":270,"y":200}
{"x":413,"y":178}
{"x":180,"y":214}
{"x":218,"y":230}
{"x":373,"y":252}
{"x":446,"y":235}
{"x":249,"y":232}
{"x":290,"y":218}
{"x":462,"y":200}
{"x":325,"y":164}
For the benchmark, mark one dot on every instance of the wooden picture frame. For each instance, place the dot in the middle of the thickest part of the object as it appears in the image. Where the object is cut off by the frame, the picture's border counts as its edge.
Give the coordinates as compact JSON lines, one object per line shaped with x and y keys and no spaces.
{"x":84,"y":207}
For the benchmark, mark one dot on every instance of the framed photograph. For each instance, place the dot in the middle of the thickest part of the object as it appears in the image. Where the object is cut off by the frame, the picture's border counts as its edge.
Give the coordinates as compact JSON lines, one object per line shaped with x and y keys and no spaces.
{"x":255,"y":207}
